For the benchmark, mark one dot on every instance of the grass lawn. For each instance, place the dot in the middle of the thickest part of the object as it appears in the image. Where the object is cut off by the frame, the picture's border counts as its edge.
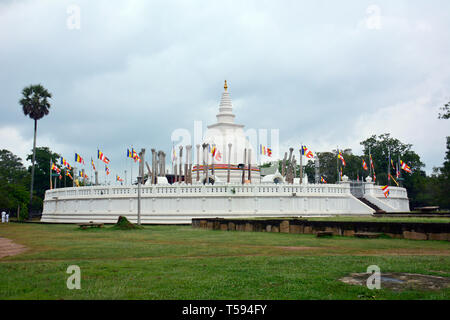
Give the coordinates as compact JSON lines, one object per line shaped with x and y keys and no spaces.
{"x":179,"y":262}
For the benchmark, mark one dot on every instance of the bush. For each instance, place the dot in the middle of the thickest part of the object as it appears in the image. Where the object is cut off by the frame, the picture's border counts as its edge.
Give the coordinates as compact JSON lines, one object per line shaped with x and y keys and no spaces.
{"x":123,"y":224}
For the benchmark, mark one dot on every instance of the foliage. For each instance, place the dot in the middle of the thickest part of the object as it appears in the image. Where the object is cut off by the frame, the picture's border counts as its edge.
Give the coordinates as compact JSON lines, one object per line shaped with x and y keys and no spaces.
{"x":42,"y":173}
{"x":14,"y":180}
{"x":35,"y":101}
{"x":124,"y":224}
{"x":445,"y":111}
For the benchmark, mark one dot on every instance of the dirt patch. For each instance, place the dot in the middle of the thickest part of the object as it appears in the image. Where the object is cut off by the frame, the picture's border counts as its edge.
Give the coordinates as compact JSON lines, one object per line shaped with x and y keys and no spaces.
{"x":298,"y":248}
{"x":401,"y":281}
{"x":9,"y":248}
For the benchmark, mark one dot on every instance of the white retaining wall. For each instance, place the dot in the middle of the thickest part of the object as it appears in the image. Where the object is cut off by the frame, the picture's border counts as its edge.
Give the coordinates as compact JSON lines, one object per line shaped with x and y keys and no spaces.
{"x":397,"y":201}
{"x":177,"y":204}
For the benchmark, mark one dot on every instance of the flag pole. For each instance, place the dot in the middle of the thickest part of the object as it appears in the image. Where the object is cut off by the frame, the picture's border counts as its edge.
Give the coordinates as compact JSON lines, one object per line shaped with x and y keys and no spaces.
{"x":50,"y":169}
{"x":337,"y":164}
{"x":301,"y":164}
{"x":389,"y":166}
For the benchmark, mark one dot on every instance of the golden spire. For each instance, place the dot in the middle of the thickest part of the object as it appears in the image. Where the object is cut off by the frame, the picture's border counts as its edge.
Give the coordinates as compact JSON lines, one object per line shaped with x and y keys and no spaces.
{"x":225,"y":85}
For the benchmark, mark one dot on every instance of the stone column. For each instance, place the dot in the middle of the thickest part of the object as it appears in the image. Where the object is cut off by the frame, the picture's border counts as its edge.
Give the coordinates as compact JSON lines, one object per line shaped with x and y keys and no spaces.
{"x":283,"y":165}
{"x":189,"y":163}
{"x":153,"y":166}
{"x":294,"y":168}
{"x":186,"y":166}
{"x":316,"y":171}
{"x":163,"y":164}
{"x":229,"y":163}
{"x":289,"y":170}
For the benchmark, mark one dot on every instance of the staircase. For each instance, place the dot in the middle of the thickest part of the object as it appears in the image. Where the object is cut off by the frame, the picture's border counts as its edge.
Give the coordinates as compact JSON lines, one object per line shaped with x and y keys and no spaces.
{"x":370,"y":204}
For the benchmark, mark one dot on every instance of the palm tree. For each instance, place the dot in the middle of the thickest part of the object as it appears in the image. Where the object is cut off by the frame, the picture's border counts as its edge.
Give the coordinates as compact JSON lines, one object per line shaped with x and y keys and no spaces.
{"x":35,"y":105}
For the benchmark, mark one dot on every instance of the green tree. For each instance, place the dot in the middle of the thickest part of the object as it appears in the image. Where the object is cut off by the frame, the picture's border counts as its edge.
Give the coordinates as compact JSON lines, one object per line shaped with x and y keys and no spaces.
{"x":379,"y":146}
{"x":445,"y":111}
{"x":13,"y":181}
{"x":43,"y":157}
{"x":35,"y":104}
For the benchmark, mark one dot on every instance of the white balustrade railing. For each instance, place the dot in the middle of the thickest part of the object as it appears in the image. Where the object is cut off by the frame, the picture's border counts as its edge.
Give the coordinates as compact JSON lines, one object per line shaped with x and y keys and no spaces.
{"x":156,"y":191}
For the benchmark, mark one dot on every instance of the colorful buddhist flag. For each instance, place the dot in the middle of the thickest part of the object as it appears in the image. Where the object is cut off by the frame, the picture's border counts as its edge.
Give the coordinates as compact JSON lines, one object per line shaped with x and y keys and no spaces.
{"x":135,"y":155}
{"x":322,"y":179}
{"x":266,"y":151}
{"x":78,"y":158}
{"x":69,"y":175}
{"x":385,"y":191}
{"x":405,"y":166}
{"x":371,"y":162}
{"x":340,"y":156}
{"x":364,"y":165}
{"x":107,"y":170}
{"x":55,"y":168}
{"x":92,"y":163}
{"x":306,"y":152}
{"x":102,"y":157}
{"x":129,"y":154}
{"x":65,"y":163}
{"x":218,"y":156}
{"x":119,"y":178}
{"x":392,"y":163}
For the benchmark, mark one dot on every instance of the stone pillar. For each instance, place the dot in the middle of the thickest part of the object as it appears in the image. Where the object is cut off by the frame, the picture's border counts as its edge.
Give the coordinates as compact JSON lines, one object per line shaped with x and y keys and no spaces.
{"x":186,"y":166}
{"x":289,"y":170}
{"x":316,"y":169}
{"x":189,"y":162}
{"x":229,"y":163}
{"x":153,"y":166}
{"x":294,"y":168}
{"x":283,"y":165}
{"x":164,"y":164}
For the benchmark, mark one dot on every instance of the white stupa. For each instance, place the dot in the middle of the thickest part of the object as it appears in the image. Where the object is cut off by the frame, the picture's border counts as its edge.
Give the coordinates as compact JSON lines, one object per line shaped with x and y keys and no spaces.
{"x":220,"y":135}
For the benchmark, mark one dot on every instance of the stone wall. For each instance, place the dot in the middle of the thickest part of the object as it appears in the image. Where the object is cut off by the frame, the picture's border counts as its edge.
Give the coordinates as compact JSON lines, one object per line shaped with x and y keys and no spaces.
{"x":398,"y":230}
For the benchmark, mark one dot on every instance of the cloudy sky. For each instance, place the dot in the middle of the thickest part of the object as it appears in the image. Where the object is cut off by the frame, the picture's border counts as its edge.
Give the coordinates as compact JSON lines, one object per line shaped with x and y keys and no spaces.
{"x":325,"y":73}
